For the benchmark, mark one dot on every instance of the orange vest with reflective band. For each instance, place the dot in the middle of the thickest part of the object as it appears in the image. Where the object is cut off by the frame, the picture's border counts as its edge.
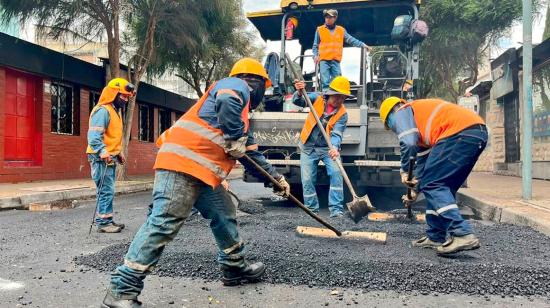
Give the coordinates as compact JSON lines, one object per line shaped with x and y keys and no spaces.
{"x":331,"y":45}
{"x":437,"y":119}
{"x":194,"y":147}
{"x":319,"y":106}
{"x":112,"y":136}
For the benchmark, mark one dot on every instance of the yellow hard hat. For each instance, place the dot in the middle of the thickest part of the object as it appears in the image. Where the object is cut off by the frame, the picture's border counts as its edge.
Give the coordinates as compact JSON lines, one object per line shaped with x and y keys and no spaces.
{"x":339,"y":85}
{"x":250,"y":66}
{"x":122,"y":86}
{"x":294,"y":21}
{"x":387,"y":106}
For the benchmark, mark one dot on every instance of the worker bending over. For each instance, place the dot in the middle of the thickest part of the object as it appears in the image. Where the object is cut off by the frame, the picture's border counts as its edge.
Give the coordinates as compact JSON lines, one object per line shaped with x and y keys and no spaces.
{"x":447,"y":140}
{"x":195,"y":156}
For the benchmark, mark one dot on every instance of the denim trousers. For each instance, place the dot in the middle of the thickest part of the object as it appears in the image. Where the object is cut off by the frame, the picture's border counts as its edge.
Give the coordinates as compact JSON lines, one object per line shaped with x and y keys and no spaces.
{"x":104,"y":178}
{"x":308,"y":172}
{"x":328,"y":70}
{"x":174,"y":195}
{"x":448,"y":165}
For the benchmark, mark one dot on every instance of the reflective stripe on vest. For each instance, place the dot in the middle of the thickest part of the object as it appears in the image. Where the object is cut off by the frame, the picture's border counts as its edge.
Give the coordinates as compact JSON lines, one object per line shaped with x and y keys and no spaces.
{"x":194,"y":147}
{"x":437,"y":119}
{"x":319,"y":106}
{"x":331,"y":45}
{"x":112,"y":135}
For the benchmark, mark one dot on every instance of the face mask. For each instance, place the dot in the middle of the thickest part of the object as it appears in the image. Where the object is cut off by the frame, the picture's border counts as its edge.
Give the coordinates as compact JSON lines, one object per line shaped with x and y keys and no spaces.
{"x":390,"y":122}
{"x":119,"y":103}
{"x":257,"y":92}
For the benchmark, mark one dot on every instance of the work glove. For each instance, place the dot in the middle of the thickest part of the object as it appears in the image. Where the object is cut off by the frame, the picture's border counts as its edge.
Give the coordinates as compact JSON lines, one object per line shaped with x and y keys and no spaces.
{"x":236,"y":148}
{"x":410,"y":184}
{"x":286,"y":187}
{"x":412,"y":199}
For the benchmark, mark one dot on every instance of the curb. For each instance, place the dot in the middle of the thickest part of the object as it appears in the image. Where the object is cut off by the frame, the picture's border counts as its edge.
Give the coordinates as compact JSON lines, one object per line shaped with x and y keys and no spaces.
{"x":23,"y":202}
{"x":516,"y":213}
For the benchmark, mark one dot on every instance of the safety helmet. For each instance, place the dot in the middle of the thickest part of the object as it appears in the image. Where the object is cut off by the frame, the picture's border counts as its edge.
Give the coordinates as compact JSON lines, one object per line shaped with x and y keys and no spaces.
{"x":123,"y":86}
{"x":387,"y":106}
{"x":339,"y":85}
{"x":330,"y":12}
{"x":294,"y":21}
{"x":250,"y":66}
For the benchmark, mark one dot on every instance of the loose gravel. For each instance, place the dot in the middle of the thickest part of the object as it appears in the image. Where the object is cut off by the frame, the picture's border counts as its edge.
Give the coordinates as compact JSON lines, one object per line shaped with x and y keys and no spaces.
{"x":512,"y":261}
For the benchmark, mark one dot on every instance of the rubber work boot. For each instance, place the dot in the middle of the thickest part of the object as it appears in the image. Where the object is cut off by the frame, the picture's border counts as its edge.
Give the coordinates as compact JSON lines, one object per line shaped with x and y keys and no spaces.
{"x":233,"y":276}
{"x":108,"y":229}
{"x":111,"y":302}
{"x":458,"y":243}
{"x":425,"y":242}
{"x":121,"y":226}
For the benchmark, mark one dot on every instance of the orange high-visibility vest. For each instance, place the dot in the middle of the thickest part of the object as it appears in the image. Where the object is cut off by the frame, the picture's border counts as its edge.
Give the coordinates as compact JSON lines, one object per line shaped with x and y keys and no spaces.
{"x":112,"y":135}
{"x":437,"y":119}
{"x":331,"y":45}
{"x":194,"y":147}
{"x":319,"y":106}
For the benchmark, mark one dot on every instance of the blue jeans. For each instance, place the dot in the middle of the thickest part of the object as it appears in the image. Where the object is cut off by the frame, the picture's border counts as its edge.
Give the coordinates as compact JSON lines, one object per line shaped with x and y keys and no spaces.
{"x":328,"y":70}
{"x":174,"y":194}
{"x":448,"y":165}
{"x":106,"y":174}
{"x":308,"y":172}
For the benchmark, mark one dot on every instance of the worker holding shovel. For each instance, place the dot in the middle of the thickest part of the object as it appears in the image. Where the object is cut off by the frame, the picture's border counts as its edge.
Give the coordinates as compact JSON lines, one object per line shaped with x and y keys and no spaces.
{"x":196,"y":154}
{"x":105,"y":149}
{"x":447,"y":140}
{"x":329,"y":105}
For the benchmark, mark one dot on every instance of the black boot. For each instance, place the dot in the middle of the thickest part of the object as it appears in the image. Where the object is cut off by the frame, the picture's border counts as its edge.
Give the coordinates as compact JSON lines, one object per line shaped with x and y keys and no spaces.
{"x":233,"y":276}
{"x":111,"y":302}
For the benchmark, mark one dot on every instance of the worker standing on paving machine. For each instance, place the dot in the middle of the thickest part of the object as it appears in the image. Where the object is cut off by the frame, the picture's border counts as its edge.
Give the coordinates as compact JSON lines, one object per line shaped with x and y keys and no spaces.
{"x":195,"y":156}
{"x":328,"y":47}
{"x":105,"y":149}
{"x":313,"y":146}
{"x":447,"y":140}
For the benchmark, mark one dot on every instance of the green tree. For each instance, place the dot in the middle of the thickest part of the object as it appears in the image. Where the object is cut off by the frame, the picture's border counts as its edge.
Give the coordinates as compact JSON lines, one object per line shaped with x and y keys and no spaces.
{"x":460,"y":34}
{"x":223,"y":40}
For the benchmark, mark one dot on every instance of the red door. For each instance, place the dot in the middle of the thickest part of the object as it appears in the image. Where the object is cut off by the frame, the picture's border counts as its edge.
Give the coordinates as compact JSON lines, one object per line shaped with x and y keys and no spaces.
{"x":20,"y":130}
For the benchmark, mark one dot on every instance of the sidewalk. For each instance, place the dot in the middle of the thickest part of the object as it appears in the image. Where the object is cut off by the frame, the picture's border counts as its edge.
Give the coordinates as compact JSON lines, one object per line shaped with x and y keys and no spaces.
{"x":498,"y":198}
{"x":22,"y":195}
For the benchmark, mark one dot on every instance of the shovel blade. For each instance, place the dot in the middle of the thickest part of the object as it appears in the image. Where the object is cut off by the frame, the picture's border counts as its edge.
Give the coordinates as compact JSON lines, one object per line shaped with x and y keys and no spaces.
{"x":359,"y":208}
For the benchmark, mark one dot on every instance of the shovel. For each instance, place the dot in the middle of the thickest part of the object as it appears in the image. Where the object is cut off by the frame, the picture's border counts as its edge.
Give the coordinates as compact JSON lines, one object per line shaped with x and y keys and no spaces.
{"x":359,"y":206}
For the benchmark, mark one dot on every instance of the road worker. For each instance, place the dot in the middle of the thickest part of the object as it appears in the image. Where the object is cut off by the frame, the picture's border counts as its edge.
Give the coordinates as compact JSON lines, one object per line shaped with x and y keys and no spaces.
{"x":447,"y":140}
{"x":105,"y":149}
{"x":330,"y":108}
{"x":195,"y":156}
{"x":328,"y":47}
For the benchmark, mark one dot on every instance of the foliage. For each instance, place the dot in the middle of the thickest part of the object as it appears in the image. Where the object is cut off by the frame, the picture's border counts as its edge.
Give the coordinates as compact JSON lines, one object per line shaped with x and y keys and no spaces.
{"x":223,"y":39}
{"x":460,"y":34}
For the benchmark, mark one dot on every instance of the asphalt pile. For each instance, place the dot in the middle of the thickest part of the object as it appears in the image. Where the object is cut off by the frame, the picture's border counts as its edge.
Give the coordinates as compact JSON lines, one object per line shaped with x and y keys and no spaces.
{"x":513,"y":260}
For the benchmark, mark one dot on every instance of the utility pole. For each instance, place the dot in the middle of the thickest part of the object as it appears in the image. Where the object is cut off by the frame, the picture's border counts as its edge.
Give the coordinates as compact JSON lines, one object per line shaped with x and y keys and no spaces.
{"x":526,"y":172}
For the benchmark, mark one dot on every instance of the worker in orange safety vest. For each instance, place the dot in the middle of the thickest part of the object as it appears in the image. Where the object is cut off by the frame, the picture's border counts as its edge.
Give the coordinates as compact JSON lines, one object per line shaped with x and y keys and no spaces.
{"x":328,"y":47}
{"x":195,"y":155}
{"x":446,"y":140}
{"x":105,"y":149}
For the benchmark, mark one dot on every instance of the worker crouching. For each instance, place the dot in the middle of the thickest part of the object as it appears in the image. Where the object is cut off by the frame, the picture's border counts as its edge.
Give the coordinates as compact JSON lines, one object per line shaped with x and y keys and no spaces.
{"x":447,"y":140}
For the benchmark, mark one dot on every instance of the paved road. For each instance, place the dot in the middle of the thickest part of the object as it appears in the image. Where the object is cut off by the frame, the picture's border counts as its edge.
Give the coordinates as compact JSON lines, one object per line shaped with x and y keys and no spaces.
{"x":38,"y":269}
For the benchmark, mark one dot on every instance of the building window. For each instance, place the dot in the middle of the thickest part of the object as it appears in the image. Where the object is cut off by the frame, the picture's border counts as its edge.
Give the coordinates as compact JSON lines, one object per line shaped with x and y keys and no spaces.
{"x":65,"y":113}
{"x":146,"y":123}
{"x":165,"y":120}
{"x":93,"y":98}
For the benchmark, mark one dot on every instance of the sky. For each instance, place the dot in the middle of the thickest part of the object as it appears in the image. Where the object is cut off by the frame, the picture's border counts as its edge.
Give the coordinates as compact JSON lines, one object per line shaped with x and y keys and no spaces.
{"x":351,"y":58}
